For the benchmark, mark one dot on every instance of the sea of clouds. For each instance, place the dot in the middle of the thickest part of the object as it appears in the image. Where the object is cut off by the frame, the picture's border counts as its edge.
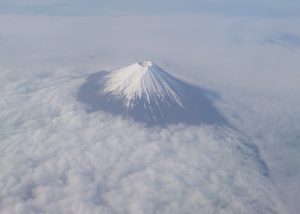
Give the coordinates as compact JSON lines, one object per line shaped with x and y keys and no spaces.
{"x":57,"y":158}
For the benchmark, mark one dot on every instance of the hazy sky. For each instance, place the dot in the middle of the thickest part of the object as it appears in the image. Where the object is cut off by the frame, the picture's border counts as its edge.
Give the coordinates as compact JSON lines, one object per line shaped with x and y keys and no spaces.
{"x":92,"y":7}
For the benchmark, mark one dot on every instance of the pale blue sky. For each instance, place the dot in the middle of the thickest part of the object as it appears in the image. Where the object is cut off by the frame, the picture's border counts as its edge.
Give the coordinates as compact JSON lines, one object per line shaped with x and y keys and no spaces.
{"x":267,"y":8}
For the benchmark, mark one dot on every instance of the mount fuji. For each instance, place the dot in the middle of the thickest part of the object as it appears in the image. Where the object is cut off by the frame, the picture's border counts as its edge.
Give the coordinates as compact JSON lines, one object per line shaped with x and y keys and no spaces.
{"x":146,"y":93}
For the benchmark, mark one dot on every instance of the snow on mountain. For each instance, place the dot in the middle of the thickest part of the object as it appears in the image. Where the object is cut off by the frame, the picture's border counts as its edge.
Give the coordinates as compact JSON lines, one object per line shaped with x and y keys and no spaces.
{"x":143,"y":80}
{"x":145,"y":92}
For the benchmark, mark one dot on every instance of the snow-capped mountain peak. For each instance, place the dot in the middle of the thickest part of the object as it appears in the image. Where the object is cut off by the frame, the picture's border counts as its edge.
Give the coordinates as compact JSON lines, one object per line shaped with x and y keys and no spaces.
{"x":142,"y":80}
{"x":146,"y":93}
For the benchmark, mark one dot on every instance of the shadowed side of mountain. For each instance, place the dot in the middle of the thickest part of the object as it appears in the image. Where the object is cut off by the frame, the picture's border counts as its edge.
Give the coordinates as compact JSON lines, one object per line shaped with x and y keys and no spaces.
{"x":197,"y":105}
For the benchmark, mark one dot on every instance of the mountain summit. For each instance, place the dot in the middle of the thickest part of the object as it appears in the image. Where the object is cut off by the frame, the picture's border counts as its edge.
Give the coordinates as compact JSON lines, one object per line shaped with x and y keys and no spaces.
{"x":146,"y":93}
{"x":143,"y":82}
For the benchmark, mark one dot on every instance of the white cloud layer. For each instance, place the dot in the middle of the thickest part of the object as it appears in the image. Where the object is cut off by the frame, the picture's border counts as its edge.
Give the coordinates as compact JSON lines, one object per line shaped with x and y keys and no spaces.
{"x":56,"y":158}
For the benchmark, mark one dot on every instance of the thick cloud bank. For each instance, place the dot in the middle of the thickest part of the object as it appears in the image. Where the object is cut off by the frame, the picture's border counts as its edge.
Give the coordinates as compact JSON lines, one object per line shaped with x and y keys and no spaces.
{"x":59,"y":159}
